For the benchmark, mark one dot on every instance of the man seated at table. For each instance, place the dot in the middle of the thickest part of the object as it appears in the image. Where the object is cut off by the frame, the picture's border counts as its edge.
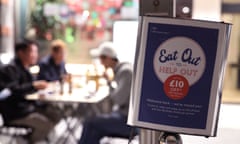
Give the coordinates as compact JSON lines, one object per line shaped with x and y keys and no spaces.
{"x":52,"y":67}
{"x":114,"y":123}
{"x":16,"y":78}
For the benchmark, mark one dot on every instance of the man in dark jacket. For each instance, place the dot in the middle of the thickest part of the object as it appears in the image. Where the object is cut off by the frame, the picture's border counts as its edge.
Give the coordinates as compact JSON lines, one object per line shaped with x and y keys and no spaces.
{"x":16,"y":77}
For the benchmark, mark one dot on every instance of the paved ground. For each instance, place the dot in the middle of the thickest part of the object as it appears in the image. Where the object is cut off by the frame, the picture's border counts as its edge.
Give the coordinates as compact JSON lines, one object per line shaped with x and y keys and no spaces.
{"x":228,"y":131}
{"x":228,"y":128}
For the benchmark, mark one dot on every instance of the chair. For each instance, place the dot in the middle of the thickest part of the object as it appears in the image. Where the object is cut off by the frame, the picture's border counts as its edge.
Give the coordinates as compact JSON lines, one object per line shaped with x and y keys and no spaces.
{"x":14,"y":131}
{"x":11,"y":130}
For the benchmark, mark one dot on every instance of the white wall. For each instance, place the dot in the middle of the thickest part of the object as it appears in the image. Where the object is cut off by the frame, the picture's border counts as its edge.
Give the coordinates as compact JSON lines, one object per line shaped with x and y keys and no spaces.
{"x":125,"y":38}
{"x":207,"y":9}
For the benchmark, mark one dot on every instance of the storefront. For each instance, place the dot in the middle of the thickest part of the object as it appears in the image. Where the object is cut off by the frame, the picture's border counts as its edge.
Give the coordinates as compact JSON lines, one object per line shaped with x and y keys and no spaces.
{"x":82,"y":24}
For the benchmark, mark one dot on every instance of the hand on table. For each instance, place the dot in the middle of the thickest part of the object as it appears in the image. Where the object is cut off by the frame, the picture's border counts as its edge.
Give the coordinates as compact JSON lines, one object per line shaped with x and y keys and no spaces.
{"x":39,"y":85}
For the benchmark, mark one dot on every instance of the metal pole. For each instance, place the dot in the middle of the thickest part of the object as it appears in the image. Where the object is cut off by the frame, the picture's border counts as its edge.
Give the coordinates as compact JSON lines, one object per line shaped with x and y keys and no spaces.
{"x":160,"y":8}
{"x":145,"y":136}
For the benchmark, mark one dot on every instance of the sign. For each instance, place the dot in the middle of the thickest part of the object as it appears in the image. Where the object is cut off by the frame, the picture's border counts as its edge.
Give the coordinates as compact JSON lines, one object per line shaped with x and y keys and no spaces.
{"x":178,"y":81}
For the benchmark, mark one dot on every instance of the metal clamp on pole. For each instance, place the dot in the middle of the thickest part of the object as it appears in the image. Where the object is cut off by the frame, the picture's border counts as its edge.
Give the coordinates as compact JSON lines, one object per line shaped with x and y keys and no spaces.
{"x":169,"y":138}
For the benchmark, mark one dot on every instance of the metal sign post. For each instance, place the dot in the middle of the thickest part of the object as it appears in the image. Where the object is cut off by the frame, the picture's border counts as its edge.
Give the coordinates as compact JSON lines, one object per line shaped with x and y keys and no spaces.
{"x":149,"y":109}
{"x":156,"y":8}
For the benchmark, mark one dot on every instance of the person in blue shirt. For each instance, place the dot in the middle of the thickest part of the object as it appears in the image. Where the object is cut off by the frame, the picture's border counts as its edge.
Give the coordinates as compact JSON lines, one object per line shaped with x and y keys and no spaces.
{"x":52,"y":67}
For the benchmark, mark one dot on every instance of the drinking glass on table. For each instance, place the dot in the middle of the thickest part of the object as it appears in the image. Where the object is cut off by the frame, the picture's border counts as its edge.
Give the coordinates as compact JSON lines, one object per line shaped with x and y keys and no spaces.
{"x":66,"y":83}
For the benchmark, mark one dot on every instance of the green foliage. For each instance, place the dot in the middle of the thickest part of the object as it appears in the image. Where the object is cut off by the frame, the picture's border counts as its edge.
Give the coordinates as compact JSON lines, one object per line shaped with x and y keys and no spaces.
{"x":41,"y":23}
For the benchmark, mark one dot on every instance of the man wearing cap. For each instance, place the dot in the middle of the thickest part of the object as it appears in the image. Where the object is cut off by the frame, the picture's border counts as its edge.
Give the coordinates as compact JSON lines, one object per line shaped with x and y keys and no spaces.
{"x":114,"y":123}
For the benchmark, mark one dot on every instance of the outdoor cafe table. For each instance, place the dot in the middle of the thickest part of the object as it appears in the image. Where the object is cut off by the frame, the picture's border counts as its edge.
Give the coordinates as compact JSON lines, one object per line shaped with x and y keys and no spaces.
{"x":78,"y":95}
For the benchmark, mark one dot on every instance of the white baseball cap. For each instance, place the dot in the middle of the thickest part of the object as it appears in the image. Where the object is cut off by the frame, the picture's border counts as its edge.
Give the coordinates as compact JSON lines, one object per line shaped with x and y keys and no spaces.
{"x":105,"y":49}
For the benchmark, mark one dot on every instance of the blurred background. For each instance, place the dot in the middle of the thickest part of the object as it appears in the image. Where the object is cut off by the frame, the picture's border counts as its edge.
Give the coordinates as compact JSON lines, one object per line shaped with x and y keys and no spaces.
{"x":84,"y":24}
